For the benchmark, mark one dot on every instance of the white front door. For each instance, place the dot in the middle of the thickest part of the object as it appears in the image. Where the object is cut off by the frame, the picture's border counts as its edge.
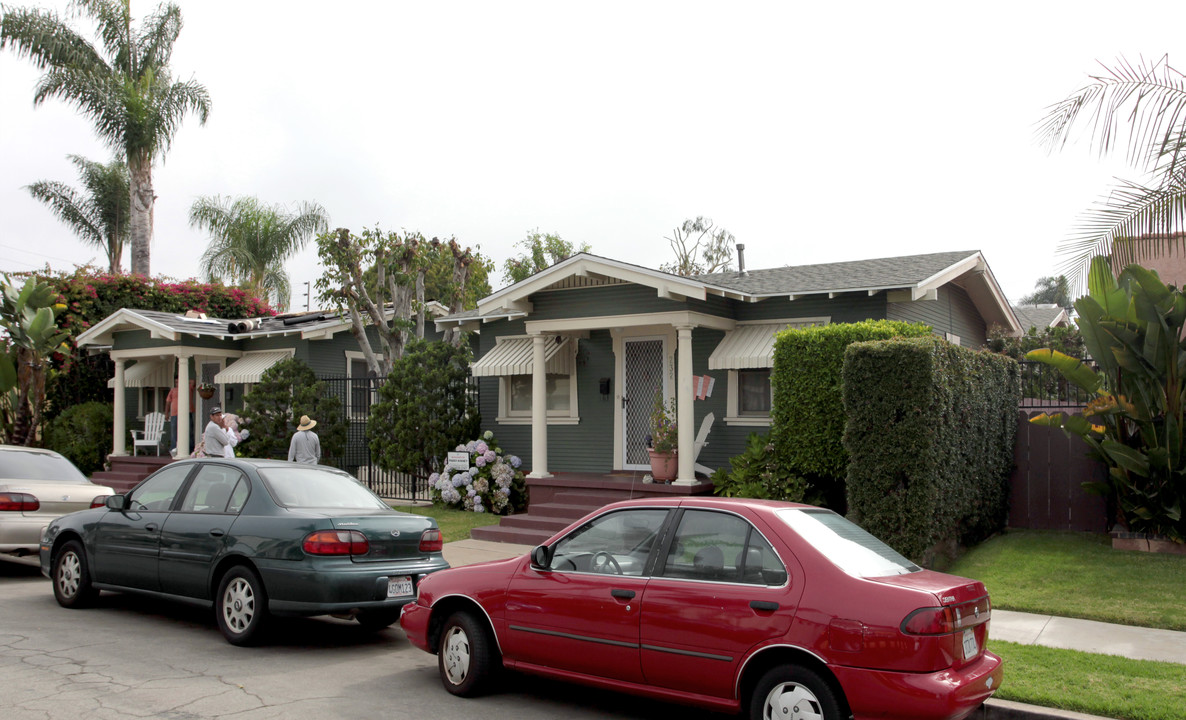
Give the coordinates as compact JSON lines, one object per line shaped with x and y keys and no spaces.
{"x":644,"y":365}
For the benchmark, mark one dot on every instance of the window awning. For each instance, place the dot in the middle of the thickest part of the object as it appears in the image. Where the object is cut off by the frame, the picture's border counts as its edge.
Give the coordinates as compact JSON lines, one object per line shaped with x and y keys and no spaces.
{"x":514,"y":357}
{"x":251,"y":366}
{"x":749,"y":346}
{"x":147,"y":373}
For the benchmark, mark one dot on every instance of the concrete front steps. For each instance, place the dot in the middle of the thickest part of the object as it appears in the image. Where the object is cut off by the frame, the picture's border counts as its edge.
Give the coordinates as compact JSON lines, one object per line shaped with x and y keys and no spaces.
{"x":555,"y":502}
{"x":128,"y":470}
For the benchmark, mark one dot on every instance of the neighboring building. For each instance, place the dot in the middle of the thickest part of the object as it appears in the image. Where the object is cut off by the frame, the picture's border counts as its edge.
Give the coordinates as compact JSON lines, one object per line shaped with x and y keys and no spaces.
{"x":1041,"y":316}
{"x":1165,"y":254}
{"x":570,"y":359}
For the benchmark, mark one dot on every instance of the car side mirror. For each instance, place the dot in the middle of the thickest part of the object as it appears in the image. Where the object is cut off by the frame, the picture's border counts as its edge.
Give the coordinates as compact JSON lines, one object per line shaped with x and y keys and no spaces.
{"x":541,"y":557}
{"x":116,"y":502}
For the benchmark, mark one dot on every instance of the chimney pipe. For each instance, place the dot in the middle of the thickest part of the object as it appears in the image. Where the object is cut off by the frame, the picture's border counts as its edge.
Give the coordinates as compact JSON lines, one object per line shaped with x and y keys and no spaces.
{"x":741,"y":271}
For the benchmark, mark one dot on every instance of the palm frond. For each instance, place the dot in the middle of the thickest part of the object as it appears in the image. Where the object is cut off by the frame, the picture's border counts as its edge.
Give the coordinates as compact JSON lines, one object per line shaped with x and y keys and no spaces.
{"x":71,"y":208}
{"x":113,"y":20}
{"x":46,"y":40}
{"x":157,"y":34}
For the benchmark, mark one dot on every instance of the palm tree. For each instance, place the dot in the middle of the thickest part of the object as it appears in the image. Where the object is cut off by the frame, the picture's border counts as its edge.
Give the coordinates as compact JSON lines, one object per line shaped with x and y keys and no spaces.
{"x":129,"y":95}
{"x":99,"y":213}
{"x":251,"y":240}
{"x":1143,"y":107}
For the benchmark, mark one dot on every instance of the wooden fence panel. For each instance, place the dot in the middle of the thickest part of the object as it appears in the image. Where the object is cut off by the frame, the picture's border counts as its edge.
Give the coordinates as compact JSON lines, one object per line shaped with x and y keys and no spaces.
{"x":1046,"y":490}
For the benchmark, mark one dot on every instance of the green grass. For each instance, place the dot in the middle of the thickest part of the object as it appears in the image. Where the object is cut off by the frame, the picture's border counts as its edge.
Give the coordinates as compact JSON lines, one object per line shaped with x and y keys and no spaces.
{"x":1104,"y":685}
{"x":455,"y":524}
{"x":1079,"y":575}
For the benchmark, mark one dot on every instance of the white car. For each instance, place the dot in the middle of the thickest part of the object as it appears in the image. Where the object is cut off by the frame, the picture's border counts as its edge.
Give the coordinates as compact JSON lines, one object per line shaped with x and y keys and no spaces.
{"x":37,"y":486}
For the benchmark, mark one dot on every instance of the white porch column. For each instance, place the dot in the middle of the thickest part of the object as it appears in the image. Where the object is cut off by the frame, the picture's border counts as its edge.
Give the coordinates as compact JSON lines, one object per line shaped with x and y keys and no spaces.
{"x":685,"y":414}
{"x":119,"y":432}
{"x":539,"y":410}
{"x":184,"y":411}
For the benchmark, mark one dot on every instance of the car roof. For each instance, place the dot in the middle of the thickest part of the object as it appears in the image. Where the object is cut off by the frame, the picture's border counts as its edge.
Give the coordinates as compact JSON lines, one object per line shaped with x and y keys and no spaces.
{"x":709,"y":501}
{"x":252,"y":462}
{"x":34,"y":450}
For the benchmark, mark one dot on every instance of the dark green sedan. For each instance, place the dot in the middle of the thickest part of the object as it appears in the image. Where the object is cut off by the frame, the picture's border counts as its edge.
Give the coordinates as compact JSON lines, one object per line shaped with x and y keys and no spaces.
{"x":250,"y":538}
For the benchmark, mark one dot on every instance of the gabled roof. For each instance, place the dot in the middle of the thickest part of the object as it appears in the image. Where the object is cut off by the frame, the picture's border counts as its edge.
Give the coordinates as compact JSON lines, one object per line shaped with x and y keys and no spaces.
{"x":909,"y":277}
{"x":1041,"y":316}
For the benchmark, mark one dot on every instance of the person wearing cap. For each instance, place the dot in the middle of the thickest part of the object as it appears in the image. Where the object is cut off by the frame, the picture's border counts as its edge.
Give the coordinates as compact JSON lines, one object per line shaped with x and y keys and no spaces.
{"x":215,"y":437}
{"x":305,"y":446}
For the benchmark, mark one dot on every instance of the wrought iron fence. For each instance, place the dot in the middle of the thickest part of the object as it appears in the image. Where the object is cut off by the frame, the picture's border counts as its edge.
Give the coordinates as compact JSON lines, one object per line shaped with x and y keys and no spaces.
{"x":357,"y":394}
{"x":1044,"y":386}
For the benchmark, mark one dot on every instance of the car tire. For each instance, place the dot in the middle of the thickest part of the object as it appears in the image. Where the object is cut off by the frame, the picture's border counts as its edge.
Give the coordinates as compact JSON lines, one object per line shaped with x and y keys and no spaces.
{"x":241,"y":606}
{"x":790,"y":692}
{"x":376,"y":620}
{"x":72,"y":577}
{"x":465,"y":656}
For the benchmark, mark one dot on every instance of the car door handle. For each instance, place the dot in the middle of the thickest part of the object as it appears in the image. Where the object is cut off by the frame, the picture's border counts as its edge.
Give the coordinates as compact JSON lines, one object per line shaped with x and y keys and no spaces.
{"x":150,"y":527}
{"x":764,"y":605}
{"x":217,"y":532}
{"x":622,"y":594}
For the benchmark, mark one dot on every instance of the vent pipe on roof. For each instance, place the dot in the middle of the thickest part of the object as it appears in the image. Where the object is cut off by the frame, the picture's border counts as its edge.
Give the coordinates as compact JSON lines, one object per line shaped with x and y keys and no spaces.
{"x":741,"y":271}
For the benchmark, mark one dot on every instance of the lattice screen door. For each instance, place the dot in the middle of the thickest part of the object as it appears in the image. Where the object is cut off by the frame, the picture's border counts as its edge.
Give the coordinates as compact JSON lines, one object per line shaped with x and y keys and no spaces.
{"x":644,"y":377}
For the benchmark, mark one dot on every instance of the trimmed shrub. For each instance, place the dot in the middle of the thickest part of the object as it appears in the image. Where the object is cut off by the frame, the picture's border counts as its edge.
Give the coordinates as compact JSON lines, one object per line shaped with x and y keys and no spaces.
{"x":807,"y":416}
{"x":930,"y":440}
{"x":82,"y":433}
{"x":754,"y":474}
{"x":273,"y":410}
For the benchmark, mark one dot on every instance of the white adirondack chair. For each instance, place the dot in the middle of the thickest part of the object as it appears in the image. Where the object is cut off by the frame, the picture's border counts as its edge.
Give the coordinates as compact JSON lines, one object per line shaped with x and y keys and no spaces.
{"x":150,"y":436}
{"x":701,"y":441}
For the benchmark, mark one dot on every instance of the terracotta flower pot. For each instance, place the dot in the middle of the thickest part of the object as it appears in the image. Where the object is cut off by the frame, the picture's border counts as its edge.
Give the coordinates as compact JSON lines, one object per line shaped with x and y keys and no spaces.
{"x":664,"y":466}
{"x":206,"y":393}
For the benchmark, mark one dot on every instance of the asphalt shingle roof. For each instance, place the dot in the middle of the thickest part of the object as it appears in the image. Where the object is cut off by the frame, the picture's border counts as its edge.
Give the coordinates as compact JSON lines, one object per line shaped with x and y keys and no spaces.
{"x":904,"y":271}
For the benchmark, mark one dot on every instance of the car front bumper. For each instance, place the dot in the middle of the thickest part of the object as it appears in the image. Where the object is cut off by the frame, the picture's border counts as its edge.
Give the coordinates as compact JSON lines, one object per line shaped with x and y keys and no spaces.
{"x":946,"y":695}
{"x":414,"y":621}
{"x":330,"y":589}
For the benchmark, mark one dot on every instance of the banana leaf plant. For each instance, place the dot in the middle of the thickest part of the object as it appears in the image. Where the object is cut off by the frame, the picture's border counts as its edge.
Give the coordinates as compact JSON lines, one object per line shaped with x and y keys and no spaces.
{"x":1133,"y":329}
{"x":27,"y":317}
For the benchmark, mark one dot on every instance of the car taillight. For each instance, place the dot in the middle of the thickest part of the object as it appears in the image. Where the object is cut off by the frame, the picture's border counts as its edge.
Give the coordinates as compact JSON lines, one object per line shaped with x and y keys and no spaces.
{"x":946,"y":620}
{"x":336,"y":542}
{"x":431,"y":540}
{"x":99,"y":501}
{"x":19,"y":502}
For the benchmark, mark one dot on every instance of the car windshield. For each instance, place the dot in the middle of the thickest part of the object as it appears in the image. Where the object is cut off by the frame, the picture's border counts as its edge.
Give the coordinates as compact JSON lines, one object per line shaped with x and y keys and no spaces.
{"x":42,"y":467}
{"x":317,"y":487}
{"x":853,"y":550}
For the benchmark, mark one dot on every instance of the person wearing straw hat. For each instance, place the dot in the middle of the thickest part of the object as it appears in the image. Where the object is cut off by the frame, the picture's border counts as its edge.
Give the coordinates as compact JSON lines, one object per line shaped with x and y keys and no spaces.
{"x":305,"y":446}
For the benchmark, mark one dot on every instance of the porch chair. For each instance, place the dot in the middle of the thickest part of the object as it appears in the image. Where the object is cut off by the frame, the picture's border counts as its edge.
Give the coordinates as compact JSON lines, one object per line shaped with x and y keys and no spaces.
{"x":150,"y":436}
{"x":701,"y":441}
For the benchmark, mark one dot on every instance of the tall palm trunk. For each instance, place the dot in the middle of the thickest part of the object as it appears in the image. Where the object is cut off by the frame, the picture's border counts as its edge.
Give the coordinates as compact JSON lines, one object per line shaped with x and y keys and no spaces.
{"x":140,"y":217}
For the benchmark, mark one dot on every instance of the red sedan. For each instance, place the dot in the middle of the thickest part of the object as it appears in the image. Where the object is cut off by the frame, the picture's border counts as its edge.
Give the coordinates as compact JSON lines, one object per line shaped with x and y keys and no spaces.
{"x":780,"y":610}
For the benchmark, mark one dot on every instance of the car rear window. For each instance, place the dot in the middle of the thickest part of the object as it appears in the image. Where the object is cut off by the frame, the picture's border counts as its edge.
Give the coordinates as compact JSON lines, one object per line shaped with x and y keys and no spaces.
{"x":38,"y":466}
{"x":849,"y":547}
{"x":317,"y":487}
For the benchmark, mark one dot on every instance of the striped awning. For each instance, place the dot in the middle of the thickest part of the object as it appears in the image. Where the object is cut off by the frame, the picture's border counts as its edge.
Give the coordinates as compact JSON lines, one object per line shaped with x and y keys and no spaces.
{"x":514,"y":357}
{"x":251,"y":366}
{"x":147,"y":373}
{"x":749,"y":346}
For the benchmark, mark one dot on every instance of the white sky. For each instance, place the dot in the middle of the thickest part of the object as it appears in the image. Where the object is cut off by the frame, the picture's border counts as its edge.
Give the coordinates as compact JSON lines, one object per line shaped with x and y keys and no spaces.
{"x":814,"y":132}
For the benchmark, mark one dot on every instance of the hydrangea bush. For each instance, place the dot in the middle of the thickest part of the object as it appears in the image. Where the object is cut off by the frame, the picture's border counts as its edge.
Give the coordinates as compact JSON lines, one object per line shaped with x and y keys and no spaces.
{"x":494,"y":483}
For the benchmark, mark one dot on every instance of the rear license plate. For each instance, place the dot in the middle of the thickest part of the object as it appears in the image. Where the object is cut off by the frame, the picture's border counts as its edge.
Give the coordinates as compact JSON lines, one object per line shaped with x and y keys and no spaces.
{"x":402,"y":587}
{"x":970,"y":646}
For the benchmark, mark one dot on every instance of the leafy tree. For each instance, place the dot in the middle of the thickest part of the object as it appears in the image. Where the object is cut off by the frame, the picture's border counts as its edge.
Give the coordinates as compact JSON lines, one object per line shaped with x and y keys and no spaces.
{"x":27,"y":317}
{"x":1135,"y":421}
{"x":124,"y":88}
{"x":1142,"y":106}
{"x":83,"y":434}
{"x":1050,"y":291}
{"x":424,"y":409}
{"x":274,"y":406}
{"x":543,"y":250}
{"x":98,"y":214}
{"x":700,"y":248}
{"x":1067,"y":340}
{"x":250,"y":241}
{"x":393,"y":302}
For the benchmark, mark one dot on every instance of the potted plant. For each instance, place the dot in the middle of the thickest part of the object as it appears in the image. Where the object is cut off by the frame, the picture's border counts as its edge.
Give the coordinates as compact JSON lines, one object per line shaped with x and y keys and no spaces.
{"x":206,"y":391}
{"x":664,"y":440}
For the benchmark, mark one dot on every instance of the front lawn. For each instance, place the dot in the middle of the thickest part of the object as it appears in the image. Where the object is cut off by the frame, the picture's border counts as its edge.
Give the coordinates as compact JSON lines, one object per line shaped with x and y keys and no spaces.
{"x":1104,"y":685}
{"x":1079,"y":575}
{"x":455,"y":524}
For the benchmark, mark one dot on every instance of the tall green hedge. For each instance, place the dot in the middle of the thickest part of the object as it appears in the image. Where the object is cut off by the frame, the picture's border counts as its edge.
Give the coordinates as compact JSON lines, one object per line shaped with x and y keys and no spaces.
{"x":807,"y":418}
{"x":930,"y":440}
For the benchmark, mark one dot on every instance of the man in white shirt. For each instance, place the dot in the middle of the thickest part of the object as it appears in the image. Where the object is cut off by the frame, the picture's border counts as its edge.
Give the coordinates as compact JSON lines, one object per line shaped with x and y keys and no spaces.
{"x":305,"y":446}
{"x":215,"y":436}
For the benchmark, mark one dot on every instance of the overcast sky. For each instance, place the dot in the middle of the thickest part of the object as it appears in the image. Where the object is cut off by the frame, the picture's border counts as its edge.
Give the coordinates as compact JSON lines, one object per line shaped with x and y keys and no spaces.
{"x":814,"y":132}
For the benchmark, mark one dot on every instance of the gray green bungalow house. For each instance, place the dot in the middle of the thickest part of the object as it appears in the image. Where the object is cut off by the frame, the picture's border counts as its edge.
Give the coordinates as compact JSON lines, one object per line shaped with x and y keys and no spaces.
{"x":569,"y":360}
{"x":151,"y":348}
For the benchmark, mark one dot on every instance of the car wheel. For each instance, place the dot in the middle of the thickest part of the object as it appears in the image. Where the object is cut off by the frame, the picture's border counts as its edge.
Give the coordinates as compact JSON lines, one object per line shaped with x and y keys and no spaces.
{"x":72,"y":577}
{"x":241,"y":606}
{"x":465,"y":655}
{"x":377,"y":619}
{"x":789,"y":692}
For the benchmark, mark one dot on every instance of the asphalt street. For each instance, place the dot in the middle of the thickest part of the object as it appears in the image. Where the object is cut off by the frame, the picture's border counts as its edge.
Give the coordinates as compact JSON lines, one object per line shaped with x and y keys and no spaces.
{"x":134,"y":657}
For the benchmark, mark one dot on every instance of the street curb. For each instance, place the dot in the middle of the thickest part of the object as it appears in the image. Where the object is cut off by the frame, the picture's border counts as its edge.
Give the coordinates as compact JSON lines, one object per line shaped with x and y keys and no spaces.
{"x":1009,"y":710}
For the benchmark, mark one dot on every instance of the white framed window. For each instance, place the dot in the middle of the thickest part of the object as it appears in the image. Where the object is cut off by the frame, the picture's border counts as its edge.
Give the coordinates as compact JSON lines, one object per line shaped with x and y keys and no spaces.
{"x":515,"y":395}
{"x":152,"y":400}
{"x":747,"y":353}
{"x":361,"y":395}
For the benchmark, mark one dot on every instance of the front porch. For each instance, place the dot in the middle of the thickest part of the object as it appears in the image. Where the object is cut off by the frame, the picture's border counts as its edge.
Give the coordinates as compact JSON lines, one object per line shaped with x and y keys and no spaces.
{"x":555,"y":502}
